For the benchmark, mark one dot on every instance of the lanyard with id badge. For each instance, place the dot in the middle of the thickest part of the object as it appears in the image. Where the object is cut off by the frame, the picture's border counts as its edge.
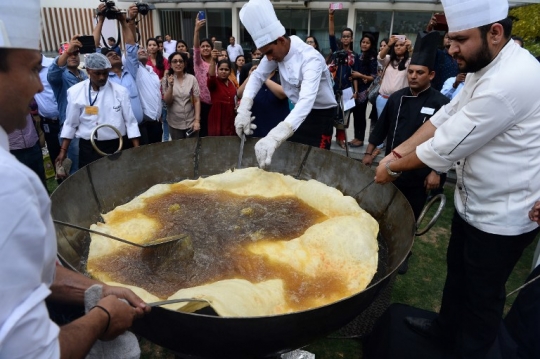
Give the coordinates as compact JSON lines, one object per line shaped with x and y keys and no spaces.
{"x":92,"y":110}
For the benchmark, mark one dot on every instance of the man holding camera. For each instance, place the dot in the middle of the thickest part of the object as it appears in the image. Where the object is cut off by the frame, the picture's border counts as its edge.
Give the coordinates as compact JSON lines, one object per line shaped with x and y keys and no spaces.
{"x":304,"y":78}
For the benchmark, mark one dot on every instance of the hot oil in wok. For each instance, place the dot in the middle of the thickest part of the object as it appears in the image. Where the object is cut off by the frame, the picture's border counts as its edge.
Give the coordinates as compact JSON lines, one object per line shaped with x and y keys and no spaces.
{"x":219,"y":223}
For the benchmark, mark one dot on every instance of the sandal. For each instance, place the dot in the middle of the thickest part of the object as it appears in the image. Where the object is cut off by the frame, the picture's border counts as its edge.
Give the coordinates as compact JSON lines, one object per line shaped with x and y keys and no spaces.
{"x":356,"y":143}
{"x":341,"y":143}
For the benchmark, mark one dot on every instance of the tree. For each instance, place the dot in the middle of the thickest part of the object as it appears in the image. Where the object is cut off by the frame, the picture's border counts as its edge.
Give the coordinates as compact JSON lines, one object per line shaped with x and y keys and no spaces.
{"x":527,"y":25}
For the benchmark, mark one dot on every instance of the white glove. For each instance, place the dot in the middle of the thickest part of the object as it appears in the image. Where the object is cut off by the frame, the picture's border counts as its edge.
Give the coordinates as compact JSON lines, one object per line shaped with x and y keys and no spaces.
{"x":243,"y":119}
{"x":265,"y":148}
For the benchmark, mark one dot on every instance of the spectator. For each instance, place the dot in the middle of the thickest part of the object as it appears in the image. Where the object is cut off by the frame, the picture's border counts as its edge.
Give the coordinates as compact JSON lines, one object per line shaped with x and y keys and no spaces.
{"x":310,"y":122}
{"x":223,"y":92}
{"x":240,"y":61}
{"x":453,"y":86}
{"x":367,"y":71}
{"x":84,"y":111}
{"x":182,"y":96}
{"x":62,"y":74}
{"x":162,"y":49}
{"x":181,"y":46}
{"x":482,"y":131}
{"x":155,"y":58}
{"x":169,"y":45}
{"x":234,"y":49}
{"x":111,"y":42}
{"x":150,"y":92}
{"x":202,"y":56}
{"x":28,"y":270}
{"x":312,"y":40}
{"x":245,"y":71}
{"x":341,"y":67}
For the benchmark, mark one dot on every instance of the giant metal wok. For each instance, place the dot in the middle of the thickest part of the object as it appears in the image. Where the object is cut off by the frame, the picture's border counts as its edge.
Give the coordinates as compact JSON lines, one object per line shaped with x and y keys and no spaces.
{"x":116,"y":179}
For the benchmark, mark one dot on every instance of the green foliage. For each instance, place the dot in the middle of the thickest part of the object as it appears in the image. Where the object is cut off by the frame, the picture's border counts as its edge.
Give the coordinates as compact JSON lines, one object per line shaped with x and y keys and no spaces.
{"x":527,"y":26}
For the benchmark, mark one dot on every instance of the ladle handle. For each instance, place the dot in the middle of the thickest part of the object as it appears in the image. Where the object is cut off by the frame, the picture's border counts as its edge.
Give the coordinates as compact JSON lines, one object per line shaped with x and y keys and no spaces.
{"x":92,"y":139}
{"x":436,"y":216}
{"x":96,"y":232}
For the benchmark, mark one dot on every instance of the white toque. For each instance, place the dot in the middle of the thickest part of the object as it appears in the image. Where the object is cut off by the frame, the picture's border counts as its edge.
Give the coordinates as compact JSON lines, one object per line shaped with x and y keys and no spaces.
{"x":468,"y":14}
{"x":260,"y":20}
{"x":20,"y":24}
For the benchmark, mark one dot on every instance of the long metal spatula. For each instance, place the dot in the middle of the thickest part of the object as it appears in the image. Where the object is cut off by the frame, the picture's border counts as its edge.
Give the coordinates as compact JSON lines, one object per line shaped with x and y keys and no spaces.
{"x":173,"y":301}
{"x":241,"y":154}
{"x":151,"y":244}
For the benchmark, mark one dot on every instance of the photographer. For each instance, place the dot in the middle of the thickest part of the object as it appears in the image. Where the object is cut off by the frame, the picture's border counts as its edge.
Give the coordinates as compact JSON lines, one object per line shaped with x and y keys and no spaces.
{"x":342,"y":64}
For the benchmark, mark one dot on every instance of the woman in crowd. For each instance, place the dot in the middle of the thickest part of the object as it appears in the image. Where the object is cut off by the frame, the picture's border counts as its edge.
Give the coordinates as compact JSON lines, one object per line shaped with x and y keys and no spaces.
{"x":223,"y":92}
{"x":394,"y":60}
{"x":181,"y":94}
{"x":181,"y":46}
{"x":202,"y":57}
{"x":155,"y":58}
{"x":238,"y":63}
{"x":312,"y":40}
{"x":383,"y":44}
{"x":367,"y":71}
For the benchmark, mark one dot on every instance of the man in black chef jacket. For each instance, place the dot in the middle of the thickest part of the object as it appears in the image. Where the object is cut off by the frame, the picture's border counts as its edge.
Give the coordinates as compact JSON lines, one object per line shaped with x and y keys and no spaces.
{"x":406,"y":110}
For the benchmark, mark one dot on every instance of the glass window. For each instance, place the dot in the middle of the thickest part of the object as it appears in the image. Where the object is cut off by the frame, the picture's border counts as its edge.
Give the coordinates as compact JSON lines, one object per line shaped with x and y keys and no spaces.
{"x":319,"y":27}
{"x":410,"y":23}
{"x":219,"y":24}
{"x":376,"y":23}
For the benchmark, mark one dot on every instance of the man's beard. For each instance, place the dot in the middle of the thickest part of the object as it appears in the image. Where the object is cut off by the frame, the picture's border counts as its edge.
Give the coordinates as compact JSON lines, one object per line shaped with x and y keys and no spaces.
{"x":478,"y":61}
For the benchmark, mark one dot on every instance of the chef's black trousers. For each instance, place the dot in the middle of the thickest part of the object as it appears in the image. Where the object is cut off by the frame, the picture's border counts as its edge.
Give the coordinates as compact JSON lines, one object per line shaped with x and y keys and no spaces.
{"x":478,"y":266}
{"x":317,"y":129}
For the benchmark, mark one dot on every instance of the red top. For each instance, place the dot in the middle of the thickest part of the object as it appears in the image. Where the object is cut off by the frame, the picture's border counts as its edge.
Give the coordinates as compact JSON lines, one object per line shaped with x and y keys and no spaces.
{"x":159,"y":72}
{"x":222,"y":113}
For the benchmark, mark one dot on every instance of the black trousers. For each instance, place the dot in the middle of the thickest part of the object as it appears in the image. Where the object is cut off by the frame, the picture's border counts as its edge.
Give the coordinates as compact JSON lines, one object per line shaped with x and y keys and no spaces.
{"x":51,"y":129}
{"x":317,"y":129}
{"x":87,"y":154}
{"x":479,"y":265}
{"x":416,"y":197}
{"x":359,"y":113}
{"x":33,"y":158}
{"x":205,"y":111}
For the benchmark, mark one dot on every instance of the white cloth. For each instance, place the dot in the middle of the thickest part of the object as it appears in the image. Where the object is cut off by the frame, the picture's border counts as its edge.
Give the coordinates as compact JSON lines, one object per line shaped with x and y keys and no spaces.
{"x":169,"y":47}
{"x":260,"y":20}
{"x":45,"y":100}
{"x":20,"y":24}
{"x":467,"y":14}
{"x":27,"y":262}
{"x":149,"y":88}
{"x":492,"y":132}
{"x":448,"y":89}
{"x":114,"y":108}
{"x":234,"y":51}
{"x":304,"y":77}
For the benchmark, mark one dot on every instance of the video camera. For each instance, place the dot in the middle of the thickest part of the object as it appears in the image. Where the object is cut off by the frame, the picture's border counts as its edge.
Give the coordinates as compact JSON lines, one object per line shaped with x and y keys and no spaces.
{"x":112,"y":13}
{"x":341,"y":57}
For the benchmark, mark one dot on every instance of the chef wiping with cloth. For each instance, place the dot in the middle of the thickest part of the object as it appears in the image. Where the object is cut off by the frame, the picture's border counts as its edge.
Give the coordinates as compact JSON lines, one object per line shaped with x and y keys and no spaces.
{"x":305,"y":79}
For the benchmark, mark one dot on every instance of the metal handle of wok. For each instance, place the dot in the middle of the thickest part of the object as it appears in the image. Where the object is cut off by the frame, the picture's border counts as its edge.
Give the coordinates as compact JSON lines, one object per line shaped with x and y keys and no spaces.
{"x":93,"y":141}
{"x":441,"y":197}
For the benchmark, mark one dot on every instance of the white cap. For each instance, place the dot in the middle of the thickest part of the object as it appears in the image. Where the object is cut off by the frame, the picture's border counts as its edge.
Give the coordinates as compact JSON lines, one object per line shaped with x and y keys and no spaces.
{"x":260,"y":20}
{"x":468,"y":14}
{"x":20,"y":24}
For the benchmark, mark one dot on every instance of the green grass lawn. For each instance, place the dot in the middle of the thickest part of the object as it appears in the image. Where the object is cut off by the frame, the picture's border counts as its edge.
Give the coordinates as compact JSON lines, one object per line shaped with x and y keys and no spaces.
{"x":421,"y":287}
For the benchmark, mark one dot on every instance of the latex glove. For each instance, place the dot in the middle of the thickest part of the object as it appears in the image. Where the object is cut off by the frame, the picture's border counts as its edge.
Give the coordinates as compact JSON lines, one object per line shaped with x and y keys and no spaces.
{"x":243,"y":119}
{"x":265,"y":148}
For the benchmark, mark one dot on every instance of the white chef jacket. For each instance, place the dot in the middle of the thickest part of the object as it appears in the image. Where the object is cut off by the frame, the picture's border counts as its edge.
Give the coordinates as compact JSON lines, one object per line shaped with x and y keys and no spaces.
{"x":114,"y":108}
{"x":149,"y":91}
{"x":27,"y":262}
{"x":492,"y":132}
{"x":304,"y":77}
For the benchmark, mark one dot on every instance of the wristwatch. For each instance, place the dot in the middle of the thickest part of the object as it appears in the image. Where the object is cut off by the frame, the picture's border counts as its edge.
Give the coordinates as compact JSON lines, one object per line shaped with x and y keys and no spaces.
{"x":390,"y":172}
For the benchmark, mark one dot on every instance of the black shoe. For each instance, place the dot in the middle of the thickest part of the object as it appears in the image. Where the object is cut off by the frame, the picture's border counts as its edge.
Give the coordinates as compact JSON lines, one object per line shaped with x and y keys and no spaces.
{"x":424,"y":327}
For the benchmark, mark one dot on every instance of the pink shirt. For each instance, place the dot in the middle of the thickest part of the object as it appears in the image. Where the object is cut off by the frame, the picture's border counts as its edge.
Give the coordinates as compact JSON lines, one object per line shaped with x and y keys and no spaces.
{"x":201,"y":73}
{"x":393,"y":79}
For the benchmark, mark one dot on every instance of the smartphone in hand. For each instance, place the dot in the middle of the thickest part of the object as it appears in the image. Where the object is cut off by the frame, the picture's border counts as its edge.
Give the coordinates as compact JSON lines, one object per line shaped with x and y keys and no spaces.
{"x":256,"y":62}
{"x":88,"y":44}
{"x":201,"y":15}
{"x":218,"y":45}
{"x":401,"y":37}
{"x":189,"y":132}
{"x":336,"y":6}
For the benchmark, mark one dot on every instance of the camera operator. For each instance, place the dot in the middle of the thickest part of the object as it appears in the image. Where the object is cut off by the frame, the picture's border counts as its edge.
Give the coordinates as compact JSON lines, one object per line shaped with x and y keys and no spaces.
{"x":120,"y":74}
{"x":342,"y":64}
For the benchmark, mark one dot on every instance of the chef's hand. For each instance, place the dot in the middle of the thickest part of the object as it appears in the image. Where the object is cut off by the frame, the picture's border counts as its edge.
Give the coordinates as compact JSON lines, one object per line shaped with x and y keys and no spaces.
{"x":265,"y":148}
{"x":534,"y":213}
{"x":381,"y":174}
{"x":124,"y":293}
{"x":119,"y":318}
{"x":432,"y":181}
{"x":243,"y":119}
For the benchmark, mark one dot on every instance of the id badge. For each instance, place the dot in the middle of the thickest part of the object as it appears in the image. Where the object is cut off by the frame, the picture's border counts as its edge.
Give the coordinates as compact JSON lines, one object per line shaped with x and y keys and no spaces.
{"x":91,"y":110}
{"x":46,"y":128}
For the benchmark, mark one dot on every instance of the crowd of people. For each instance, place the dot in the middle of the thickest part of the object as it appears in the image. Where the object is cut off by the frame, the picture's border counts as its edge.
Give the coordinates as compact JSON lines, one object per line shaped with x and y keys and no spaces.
{"x":435,"y":108}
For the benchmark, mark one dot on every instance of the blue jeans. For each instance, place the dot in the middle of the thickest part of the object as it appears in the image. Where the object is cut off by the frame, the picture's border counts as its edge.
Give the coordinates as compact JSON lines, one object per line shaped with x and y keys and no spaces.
{"x":165,"y":123}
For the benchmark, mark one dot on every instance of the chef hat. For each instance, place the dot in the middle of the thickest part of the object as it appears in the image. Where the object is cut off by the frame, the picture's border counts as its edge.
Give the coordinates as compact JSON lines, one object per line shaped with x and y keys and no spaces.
{"x":260,"y":20}
{"x":425,"y":49}
{"x":20,"y":24}
{"x":97,"y":61}
{"x":468,"y":14}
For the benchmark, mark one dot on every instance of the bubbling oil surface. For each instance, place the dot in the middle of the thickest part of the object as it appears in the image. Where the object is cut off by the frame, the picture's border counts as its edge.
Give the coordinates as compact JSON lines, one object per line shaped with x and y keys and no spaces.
{"x":220,"y":224}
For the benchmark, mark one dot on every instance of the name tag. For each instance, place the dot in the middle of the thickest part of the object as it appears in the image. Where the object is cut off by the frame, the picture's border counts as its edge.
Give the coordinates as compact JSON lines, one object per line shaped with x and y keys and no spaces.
{"x":91,"y":110}
{"x":427,"y":111}
{"x":46,"y":128}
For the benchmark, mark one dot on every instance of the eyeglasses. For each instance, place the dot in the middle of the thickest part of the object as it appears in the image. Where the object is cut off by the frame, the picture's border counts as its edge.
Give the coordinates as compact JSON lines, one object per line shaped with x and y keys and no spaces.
{"x":177,"y":61}
{"x":309,"y":42}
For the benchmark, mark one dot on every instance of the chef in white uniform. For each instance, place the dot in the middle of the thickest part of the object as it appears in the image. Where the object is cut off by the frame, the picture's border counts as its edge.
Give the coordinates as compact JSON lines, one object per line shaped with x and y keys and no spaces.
{"x":304,"y":77}
{"x":492,"y":132}
{"x":28,"y":270}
